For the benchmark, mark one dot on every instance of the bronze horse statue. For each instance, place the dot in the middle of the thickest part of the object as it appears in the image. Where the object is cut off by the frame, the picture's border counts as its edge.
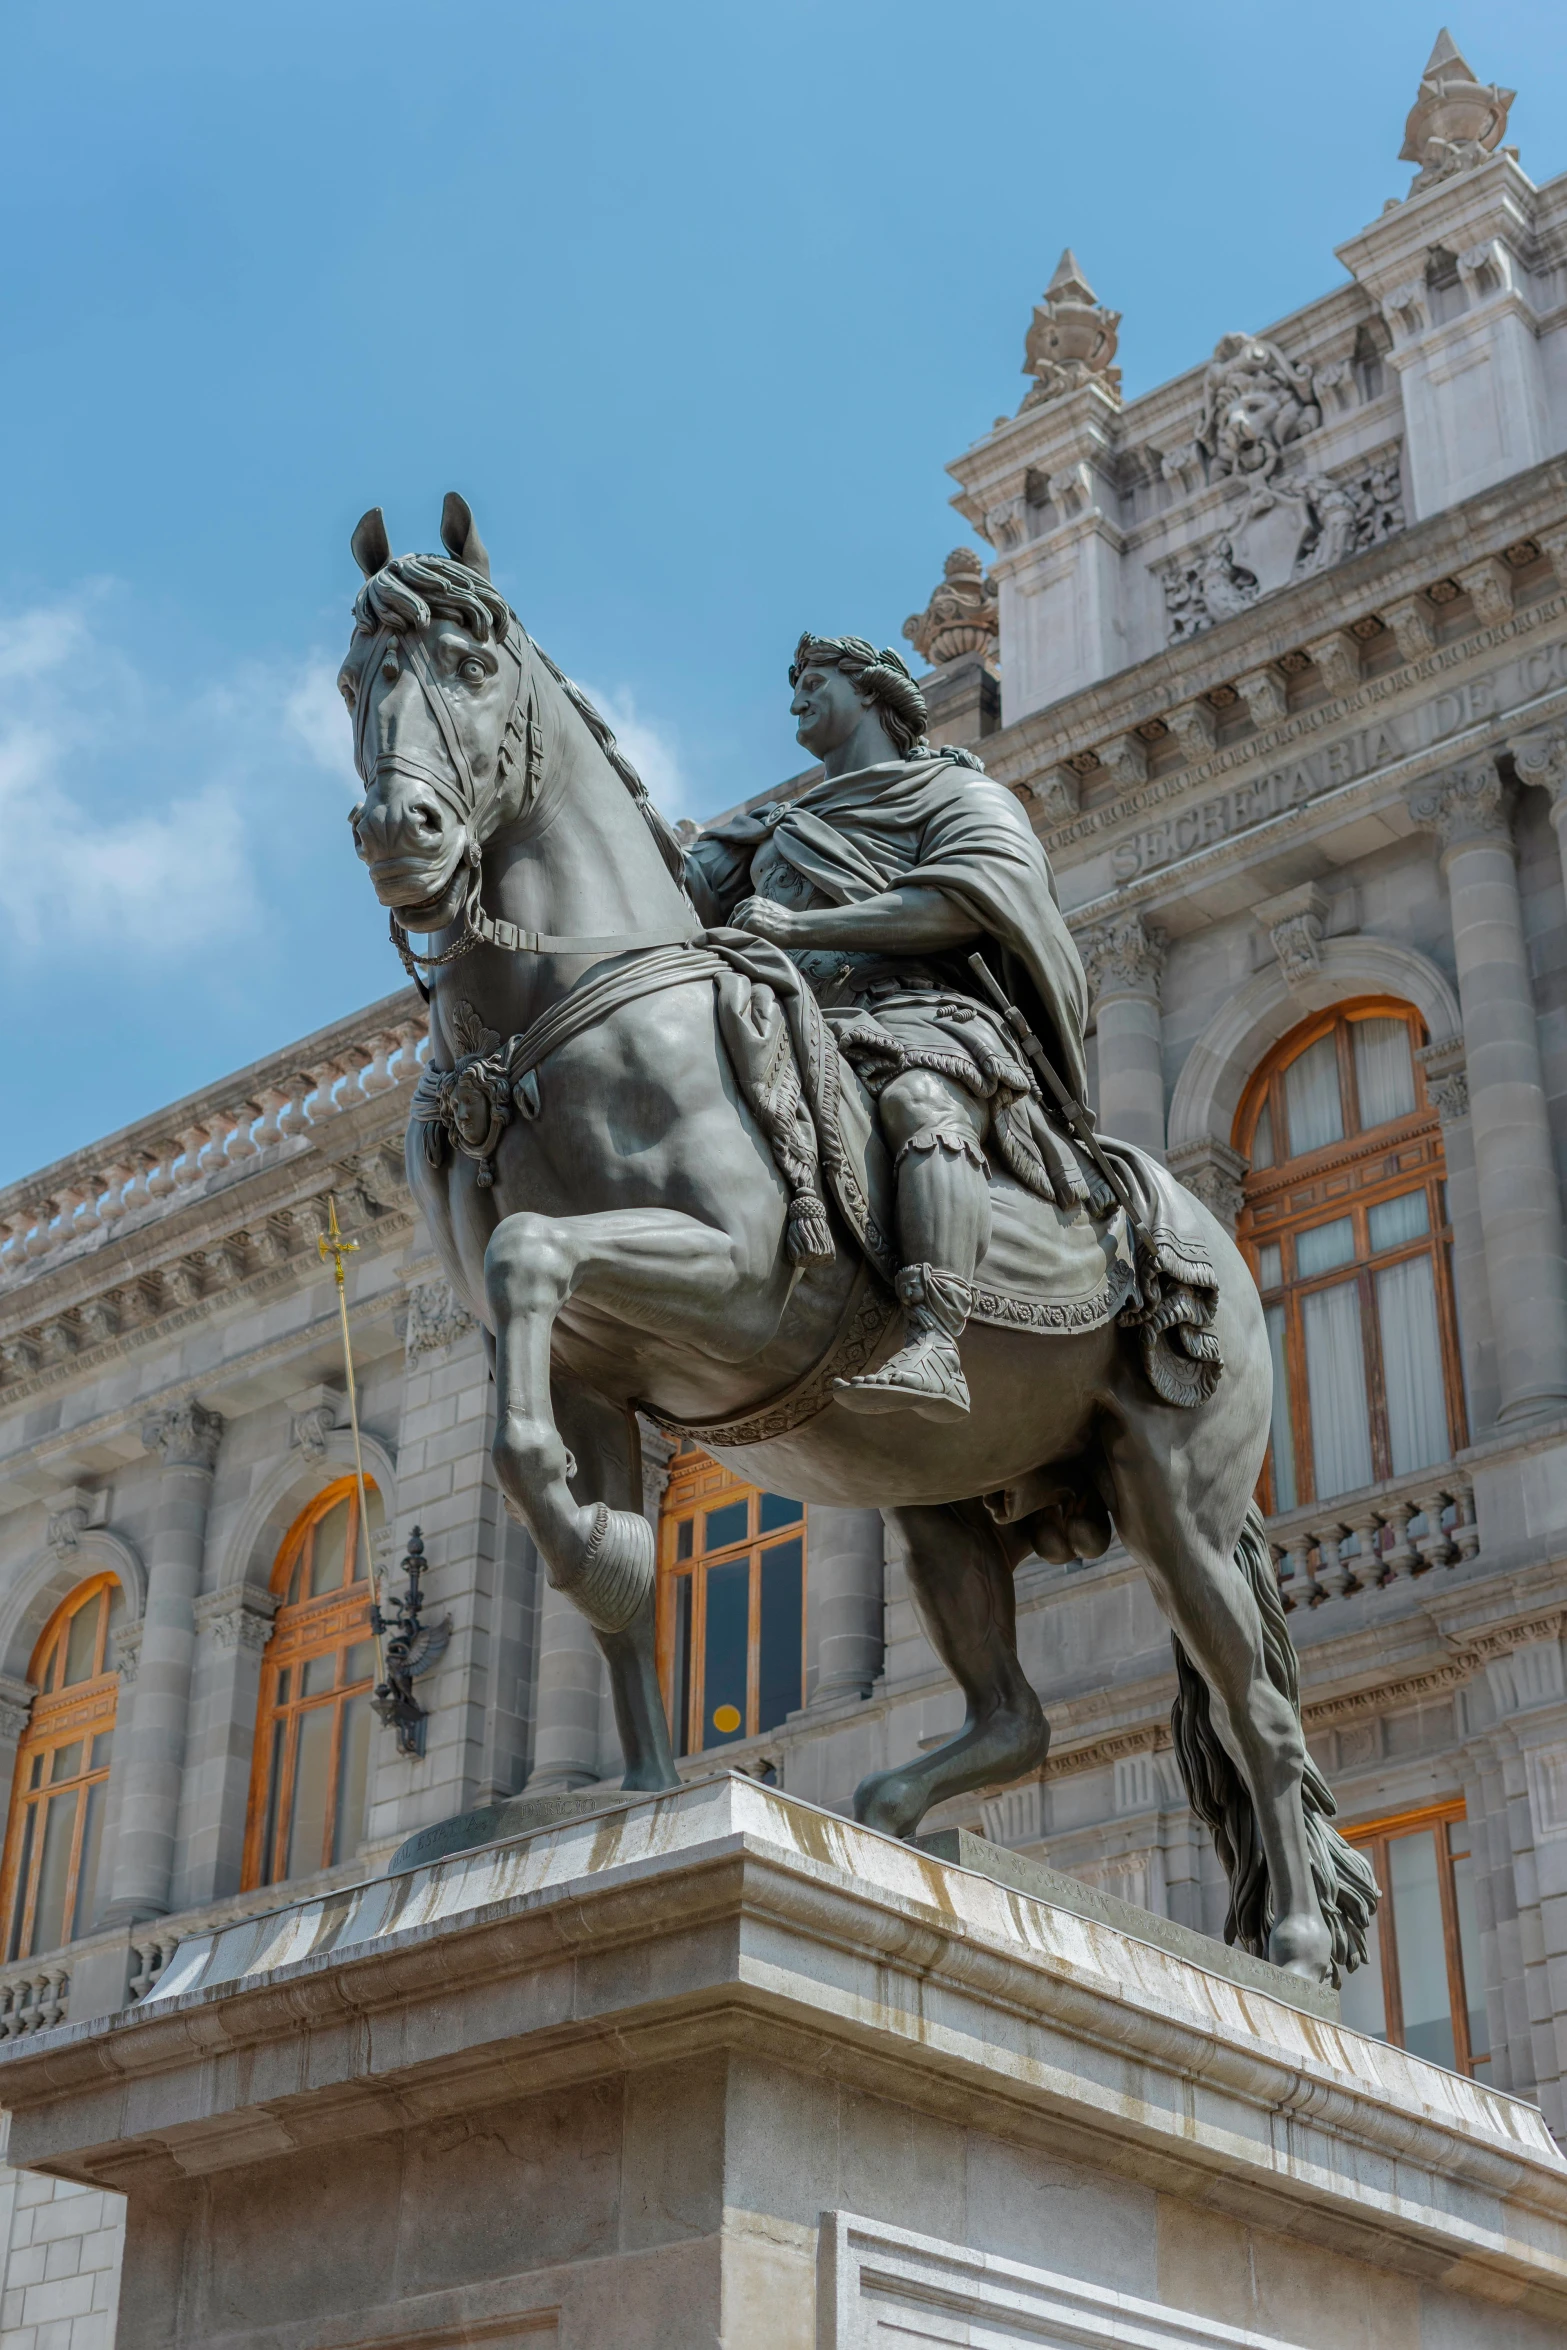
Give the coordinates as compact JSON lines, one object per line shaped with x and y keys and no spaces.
{"x":607,"y":1197}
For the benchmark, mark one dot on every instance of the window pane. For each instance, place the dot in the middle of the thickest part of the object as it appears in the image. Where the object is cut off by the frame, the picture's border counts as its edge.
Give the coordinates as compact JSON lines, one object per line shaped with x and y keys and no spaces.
{"x":1270,"y":1266}
{"x":732,"y":1523}
{"x":65,"y":1762}
{"x":1361,"y":2003}
{"x":103,"y":1750}
{"x":1262,"y":1138}
{"x":1336,"y":1389}
{"x":1412,"y":1365}
{"x":326,"y":1557}
{"x":1283,"y":1434}
{"x":1325,"y":1247}
{"x":274,"y":1790}
{"x":1311,"y":1099}
{"x":1469,"y":1942}
{"x":353,"y":1765}
{"x":685,"y":1538}
{"x":359,"y":1663}
{"x":116,"y":1611}
{"x":307,"y":1815}
{"x":317,"y":1675}
{"x":81,"y":1642}
{"x":87,"y":1872}
{"x":728,"y":1639}
{"x":1406,"y":1218}
{"x":49,"y":1916}
{"x":779,"y":1691}
{"x":681,"y":1725}
{"x":23,"y":1872}
{"x":777,"y":1511}
{"x":1384,"y":1073}
{"x":1422,"y":1947}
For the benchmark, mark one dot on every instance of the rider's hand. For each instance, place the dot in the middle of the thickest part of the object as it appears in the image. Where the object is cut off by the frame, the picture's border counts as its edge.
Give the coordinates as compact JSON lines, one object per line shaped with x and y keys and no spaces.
{"x":764,"y":918}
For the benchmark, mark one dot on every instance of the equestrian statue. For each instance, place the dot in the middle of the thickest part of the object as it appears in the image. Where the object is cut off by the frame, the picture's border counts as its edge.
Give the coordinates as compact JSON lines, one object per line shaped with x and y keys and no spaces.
{"x":780,"y":1142}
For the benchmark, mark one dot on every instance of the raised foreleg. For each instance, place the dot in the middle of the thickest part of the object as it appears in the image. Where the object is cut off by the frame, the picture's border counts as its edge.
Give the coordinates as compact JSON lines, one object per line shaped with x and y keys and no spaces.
{"x":962,"y":1586}
{"x":650,"y":1268}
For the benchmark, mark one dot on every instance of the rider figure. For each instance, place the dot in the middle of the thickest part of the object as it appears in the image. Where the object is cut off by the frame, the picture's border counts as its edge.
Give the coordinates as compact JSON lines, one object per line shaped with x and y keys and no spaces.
{"x":879,"y":882}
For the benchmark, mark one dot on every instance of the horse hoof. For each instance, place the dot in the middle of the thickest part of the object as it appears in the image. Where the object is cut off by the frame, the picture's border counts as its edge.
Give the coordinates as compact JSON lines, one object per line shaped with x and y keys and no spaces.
{"x":613,"y":1580}
{"x":889,"y":1804}
{"x":1301,"y":1945}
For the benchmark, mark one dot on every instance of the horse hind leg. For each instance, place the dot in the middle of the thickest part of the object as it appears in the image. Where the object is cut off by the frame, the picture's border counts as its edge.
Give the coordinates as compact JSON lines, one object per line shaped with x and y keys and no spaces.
{"x":962,"y":1588}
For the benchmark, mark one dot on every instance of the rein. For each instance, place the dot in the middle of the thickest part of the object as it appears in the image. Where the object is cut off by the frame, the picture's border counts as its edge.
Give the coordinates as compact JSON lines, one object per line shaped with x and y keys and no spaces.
{"x":471,"y":804}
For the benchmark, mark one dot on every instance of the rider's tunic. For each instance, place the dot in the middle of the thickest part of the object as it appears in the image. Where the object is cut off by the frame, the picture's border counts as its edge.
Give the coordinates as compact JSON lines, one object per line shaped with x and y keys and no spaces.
{"x":930,"y":823}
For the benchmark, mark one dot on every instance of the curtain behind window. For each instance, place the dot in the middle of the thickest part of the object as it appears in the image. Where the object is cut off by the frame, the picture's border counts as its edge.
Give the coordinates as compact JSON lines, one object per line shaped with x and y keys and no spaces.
{"x":1336,"y":1389}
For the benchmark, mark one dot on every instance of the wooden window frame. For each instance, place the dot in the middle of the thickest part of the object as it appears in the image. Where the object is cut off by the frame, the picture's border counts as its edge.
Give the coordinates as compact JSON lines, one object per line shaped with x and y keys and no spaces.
{"x":1375,"y":1837}
{"x":59,"y":1716}
{"x":330,"y":1624}
{"x":1347,"y":1178}
{"x":697,"y":1484}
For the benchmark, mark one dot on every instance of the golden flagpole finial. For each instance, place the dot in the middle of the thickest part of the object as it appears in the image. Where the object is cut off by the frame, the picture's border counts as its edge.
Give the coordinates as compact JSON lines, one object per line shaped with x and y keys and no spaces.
{"x":332,"y":1245}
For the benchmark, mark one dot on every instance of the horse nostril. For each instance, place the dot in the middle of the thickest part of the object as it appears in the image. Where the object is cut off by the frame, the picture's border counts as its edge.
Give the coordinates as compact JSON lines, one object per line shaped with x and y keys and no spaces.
{"x":429,"y":820}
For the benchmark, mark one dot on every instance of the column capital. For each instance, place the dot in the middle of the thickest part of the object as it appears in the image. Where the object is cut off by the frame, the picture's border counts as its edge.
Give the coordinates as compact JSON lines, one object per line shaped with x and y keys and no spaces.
{"x":1465,"y":806}
{"x":239,"y":1616}
{"x":187,"y":1436}
{"x":1124,"y":956}
{"x":1211,"y":1171}
{"x":1540,"y":757}
{"x":1447,"y":1078}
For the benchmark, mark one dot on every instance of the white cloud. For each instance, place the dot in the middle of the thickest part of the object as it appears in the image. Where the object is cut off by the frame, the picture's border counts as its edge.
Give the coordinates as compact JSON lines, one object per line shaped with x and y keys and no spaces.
{"x":135,"y":819}
{"x":316,"y":715}
{"x":652,"y":752}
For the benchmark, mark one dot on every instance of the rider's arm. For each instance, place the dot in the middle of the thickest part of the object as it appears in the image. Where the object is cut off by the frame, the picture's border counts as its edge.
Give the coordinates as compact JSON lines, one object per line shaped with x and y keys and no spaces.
{"x":894,"y":918}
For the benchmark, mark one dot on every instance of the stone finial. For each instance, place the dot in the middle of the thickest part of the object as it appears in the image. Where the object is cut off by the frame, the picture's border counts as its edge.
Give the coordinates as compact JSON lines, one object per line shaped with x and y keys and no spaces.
{"x":1455,"y":121}
{"x":963,"y":615}
{"x":1072,"y":338}
{"x":1255,"y":405}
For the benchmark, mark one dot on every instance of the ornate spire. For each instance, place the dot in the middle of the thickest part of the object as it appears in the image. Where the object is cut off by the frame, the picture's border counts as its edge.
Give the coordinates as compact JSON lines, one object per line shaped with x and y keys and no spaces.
{"x":962,"y":615}
{"x":1455,"y":121}
{"x":1072,"y":338}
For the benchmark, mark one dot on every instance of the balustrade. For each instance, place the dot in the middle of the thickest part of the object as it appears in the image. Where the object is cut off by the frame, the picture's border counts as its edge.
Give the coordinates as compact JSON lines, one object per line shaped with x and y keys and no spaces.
{"x":157,"y":1171}
{"x":1383,"y":1535}
{"x":33,"y":1998}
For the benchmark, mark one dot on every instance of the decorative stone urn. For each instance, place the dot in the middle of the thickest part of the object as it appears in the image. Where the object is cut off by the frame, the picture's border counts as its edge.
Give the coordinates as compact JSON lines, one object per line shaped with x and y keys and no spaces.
{"x":1072,"y":338}
{"x":1455,"y":122}
{"x":962,"y":615}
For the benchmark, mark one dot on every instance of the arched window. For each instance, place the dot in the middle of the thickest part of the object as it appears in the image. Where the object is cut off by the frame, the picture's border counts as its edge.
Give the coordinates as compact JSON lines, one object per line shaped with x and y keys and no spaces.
{"x":731,"y":1615}
{"x":1345,"y":1227}
{"x":55,"y":1836}
{"x":307,"y":1783}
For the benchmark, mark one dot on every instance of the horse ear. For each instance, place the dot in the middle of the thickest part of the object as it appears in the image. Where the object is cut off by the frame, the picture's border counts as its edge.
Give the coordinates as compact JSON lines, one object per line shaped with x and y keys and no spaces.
{"x":459,"y":537}
{"x":370,"y":546}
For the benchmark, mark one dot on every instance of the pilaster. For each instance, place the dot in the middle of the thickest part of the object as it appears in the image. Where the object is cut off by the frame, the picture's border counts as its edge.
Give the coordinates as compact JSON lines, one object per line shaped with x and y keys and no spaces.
{"x":1124,"y":960}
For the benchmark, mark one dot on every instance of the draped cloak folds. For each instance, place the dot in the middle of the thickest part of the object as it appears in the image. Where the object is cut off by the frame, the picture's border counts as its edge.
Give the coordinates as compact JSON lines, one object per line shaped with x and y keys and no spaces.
{"x":925,"y":823}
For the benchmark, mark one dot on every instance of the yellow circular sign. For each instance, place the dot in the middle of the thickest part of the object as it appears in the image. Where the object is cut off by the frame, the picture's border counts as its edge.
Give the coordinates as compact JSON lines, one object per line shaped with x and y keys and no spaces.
{"x":726,"y":1718}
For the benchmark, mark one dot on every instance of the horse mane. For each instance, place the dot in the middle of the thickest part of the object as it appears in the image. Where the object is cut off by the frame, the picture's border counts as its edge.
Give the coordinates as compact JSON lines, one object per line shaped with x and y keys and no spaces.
{"x":410,"y":590}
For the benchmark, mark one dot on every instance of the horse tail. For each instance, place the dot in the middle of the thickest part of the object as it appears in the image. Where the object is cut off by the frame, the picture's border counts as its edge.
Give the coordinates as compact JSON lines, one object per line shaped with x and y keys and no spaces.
{"x":1347,"y":1891}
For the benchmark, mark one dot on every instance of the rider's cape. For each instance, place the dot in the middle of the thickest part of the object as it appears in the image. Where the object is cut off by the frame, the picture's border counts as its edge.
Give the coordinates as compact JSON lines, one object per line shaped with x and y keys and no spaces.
{"x":922,"y":823}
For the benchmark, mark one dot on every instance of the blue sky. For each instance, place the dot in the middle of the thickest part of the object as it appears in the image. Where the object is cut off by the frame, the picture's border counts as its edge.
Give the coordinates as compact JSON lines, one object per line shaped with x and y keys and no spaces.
{"x":693,"y":303}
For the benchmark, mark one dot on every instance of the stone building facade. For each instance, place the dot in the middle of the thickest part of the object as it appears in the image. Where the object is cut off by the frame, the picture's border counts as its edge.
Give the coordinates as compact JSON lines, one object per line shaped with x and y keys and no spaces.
{"x":1276,"y":657}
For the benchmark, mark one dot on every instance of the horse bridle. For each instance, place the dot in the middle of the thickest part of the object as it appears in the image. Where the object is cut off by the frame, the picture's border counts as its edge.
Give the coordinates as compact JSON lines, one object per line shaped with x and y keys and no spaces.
{"x":471,"y":803}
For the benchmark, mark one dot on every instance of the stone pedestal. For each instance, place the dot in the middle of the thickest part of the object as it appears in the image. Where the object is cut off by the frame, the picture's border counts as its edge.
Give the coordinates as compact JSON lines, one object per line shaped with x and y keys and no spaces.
{"x":718,"y":2067}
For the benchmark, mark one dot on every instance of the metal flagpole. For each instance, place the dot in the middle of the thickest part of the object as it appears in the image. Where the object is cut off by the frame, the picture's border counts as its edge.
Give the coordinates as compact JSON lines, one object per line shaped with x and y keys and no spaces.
{"x":332,"y":1244}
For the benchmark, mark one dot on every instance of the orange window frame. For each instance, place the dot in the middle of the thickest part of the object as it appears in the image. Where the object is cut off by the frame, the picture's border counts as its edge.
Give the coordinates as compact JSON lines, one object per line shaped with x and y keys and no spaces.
{"x":1374,"y":1838}
{"x":1349,"y":1177}
{"x":334,"y":1625}
{"x":697,"y":1486}
{"x":64,"y":1715}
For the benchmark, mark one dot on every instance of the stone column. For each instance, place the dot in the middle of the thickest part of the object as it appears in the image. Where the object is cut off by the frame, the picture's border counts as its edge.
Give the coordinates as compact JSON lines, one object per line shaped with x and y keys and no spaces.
{"x":569,"y":1696}
{"x":1125,"y":962}
{"x":233,"y":1627}
{"x":1541,"y":758}
{"x":1515,"y":1168}
{"x":187,"y":1439}
{"x":845,"y":1594}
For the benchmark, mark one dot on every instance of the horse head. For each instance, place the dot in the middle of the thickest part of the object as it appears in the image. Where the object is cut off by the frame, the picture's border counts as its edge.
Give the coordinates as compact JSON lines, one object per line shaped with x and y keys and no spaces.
{"x":438,"y":684}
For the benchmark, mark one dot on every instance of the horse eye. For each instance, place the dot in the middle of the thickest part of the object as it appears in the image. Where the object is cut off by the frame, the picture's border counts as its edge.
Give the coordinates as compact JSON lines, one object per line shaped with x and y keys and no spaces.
{"x":474,"y":671}
{"x":345,"y":686}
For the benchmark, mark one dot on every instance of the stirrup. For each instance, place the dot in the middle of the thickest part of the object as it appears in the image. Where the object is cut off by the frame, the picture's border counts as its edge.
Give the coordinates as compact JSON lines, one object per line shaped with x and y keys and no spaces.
{"x":924,"y":1377}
